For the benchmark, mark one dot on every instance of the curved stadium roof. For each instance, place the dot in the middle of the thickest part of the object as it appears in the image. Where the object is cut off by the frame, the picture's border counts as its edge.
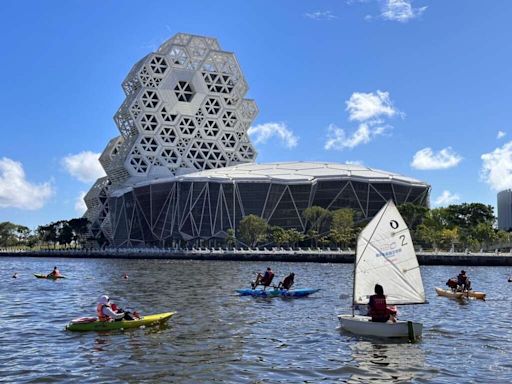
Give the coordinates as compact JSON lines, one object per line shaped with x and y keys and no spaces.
{"x":290,"y":173}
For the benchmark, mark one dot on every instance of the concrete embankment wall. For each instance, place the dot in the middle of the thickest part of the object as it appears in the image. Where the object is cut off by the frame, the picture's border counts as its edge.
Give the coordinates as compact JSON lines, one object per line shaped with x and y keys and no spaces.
{"x":424,"y":258}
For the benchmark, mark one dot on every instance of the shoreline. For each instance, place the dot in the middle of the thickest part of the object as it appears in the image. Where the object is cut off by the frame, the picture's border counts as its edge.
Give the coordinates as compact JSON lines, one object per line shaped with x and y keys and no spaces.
{"x":320,"y":256}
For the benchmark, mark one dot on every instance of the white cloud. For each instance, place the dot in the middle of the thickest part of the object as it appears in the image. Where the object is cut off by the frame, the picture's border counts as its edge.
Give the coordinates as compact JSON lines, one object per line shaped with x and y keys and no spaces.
{"x":446,"y":198}
{"x":426,"y":159}
{"x":85,"y":166}
{"x":501,"y":134}
{"x":497,"y":167}
{"x":400,"y":10}
{"x":337,"y":139}
{"x":263,"y":132}
{"x":365,"y":106}
{"x":80,"y":206}
{"x":17,"y":192}
{"x":321,"y":15}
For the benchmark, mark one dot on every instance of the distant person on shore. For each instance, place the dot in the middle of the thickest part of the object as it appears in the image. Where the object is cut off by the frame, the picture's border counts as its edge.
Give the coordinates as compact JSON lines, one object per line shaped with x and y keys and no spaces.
{"x":264,"y":279}
{"x":377,"y":306}
{"x":463,"y":281}
{"x":287,"y":282}
{"x":54,"y":273}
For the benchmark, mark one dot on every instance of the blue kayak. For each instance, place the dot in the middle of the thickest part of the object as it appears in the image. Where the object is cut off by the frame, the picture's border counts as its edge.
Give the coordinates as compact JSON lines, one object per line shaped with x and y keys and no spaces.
{"x":302,"y":292}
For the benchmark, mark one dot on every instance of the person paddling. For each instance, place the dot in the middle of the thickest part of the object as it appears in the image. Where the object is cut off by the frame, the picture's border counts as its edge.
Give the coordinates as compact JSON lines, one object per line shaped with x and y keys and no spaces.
{"x":264,"y":279}
{"x":287,"y":282}
{"x":463,"y":281}
{"x":108,"y":311}
{"x":54,"y":273}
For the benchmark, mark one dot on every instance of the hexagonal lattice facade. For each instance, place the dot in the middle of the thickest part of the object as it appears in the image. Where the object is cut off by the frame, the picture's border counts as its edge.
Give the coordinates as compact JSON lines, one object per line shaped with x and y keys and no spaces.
{"x":184,"y":111}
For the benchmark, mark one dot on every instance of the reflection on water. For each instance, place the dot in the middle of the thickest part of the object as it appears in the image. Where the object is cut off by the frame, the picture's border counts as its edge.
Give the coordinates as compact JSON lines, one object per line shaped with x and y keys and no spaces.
{"x":218,"y":336}
{"x":385,"y":361}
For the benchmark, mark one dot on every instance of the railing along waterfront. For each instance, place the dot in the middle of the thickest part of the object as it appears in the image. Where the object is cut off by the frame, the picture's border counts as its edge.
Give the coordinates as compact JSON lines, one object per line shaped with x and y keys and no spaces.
{"x":436,"y":257}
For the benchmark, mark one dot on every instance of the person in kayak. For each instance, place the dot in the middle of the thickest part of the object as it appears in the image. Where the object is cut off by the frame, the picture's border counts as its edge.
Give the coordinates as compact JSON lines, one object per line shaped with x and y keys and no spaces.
{"x":105,"y":310}
{"x":264,"y":279}
{"x":287,"y":282}
{"x":463,"y":281}
{"x":377,"y":307}
{"x":54,"y":273}
{"x":108,"y":311}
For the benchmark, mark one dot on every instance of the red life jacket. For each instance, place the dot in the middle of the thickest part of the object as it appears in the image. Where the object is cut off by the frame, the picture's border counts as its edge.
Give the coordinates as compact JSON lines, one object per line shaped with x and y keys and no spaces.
{"x":100,"y":314}
{"x":378,"y":308}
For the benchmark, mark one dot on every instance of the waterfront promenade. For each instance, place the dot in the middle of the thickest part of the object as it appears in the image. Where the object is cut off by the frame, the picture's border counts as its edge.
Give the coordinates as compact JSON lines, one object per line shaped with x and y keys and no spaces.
{"x":274,"y":254}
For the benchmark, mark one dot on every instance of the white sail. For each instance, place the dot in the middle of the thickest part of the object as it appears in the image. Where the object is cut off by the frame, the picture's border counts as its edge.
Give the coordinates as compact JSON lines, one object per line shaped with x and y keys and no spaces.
{"x":385,"y":255}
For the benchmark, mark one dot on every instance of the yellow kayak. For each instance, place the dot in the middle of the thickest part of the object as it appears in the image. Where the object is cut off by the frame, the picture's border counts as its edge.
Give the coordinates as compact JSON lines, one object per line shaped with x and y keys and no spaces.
{"x":93,"y":324}
{"x":460,"y":295}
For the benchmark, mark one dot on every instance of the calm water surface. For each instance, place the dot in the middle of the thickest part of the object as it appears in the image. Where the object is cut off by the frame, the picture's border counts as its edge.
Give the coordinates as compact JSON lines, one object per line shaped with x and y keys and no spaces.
{"x":217,"y":336}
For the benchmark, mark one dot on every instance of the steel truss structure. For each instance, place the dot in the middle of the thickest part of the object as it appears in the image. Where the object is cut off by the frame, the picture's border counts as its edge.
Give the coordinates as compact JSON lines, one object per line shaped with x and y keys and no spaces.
{"x":206,"y":204}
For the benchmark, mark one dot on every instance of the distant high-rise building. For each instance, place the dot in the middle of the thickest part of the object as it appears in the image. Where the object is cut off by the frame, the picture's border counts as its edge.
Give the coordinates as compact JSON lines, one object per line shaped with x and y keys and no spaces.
{"x":505,"y":210}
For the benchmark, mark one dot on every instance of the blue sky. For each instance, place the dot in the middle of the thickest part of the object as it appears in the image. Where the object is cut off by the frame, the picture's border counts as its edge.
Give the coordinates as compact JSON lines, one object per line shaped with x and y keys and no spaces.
{"x":420,"y":88}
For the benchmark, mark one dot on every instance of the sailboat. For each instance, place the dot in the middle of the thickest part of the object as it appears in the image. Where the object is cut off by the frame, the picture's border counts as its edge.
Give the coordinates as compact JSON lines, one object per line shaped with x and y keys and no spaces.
{"x":385,"y":255}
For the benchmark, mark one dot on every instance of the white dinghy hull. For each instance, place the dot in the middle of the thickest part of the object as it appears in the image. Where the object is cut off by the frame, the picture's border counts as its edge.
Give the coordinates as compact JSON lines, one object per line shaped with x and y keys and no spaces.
{"x":362,"y":325}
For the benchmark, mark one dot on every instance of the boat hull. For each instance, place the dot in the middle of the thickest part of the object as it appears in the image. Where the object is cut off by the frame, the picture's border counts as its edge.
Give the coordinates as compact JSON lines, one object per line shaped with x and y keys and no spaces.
{"x":362,"y":325}
{"x":42,"y":276}
{"x":77,"y":325}
{"x":303,"y":292}
{"x":460,"y":295}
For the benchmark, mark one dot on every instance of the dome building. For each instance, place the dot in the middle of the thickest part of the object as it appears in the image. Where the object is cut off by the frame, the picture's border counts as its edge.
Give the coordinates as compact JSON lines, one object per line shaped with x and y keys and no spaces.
{"x":183,"y":166}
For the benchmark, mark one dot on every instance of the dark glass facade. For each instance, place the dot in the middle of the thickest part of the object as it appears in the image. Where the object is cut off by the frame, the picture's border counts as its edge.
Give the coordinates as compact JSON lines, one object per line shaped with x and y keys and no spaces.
{"x":163,"y":214}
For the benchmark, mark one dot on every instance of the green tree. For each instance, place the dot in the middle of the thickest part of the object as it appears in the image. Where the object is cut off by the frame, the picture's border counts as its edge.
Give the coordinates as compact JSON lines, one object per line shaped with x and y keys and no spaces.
{"x":253,"y":230}
{"x":294,"y":236}
{"x":48,"y":233}
{"x":279,"y":235}
{"x":449,"y":237}
{"x":230,"y":238}
{"x":64,"y":233}
{"x":412,"y":214}
{"x":342,"y":226}
{"x":317,"y":218}
{"x":8,"y":232}
{"x":467,"y":215}
{"x":80,"y":228}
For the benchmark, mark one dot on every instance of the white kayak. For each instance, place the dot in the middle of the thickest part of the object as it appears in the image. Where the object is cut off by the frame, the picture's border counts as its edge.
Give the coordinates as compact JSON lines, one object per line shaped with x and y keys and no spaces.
{"x":364,"y":326}
{"x":460,"y":295}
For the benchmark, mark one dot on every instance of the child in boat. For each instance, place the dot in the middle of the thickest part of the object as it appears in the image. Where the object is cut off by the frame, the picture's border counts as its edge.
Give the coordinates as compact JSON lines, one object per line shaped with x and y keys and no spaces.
{"x":377,"y":307}
{"x":264,"y":279}
{"x":287,"y":282}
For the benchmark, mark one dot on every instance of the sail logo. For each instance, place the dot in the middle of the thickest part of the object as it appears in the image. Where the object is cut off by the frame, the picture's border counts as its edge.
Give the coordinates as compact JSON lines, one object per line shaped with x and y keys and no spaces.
{"x":390,"y":253}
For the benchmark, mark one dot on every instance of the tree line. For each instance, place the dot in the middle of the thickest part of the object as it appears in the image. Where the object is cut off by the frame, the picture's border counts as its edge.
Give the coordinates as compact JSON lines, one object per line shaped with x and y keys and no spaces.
{"x":458,"y":227}
{"x":62,"y":233}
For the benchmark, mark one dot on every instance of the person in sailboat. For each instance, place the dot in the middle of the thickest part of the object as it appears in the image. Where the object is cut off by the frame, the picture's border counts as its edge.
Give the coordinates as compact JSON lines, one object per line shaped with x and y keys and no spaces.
{"x":377,"y":306}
